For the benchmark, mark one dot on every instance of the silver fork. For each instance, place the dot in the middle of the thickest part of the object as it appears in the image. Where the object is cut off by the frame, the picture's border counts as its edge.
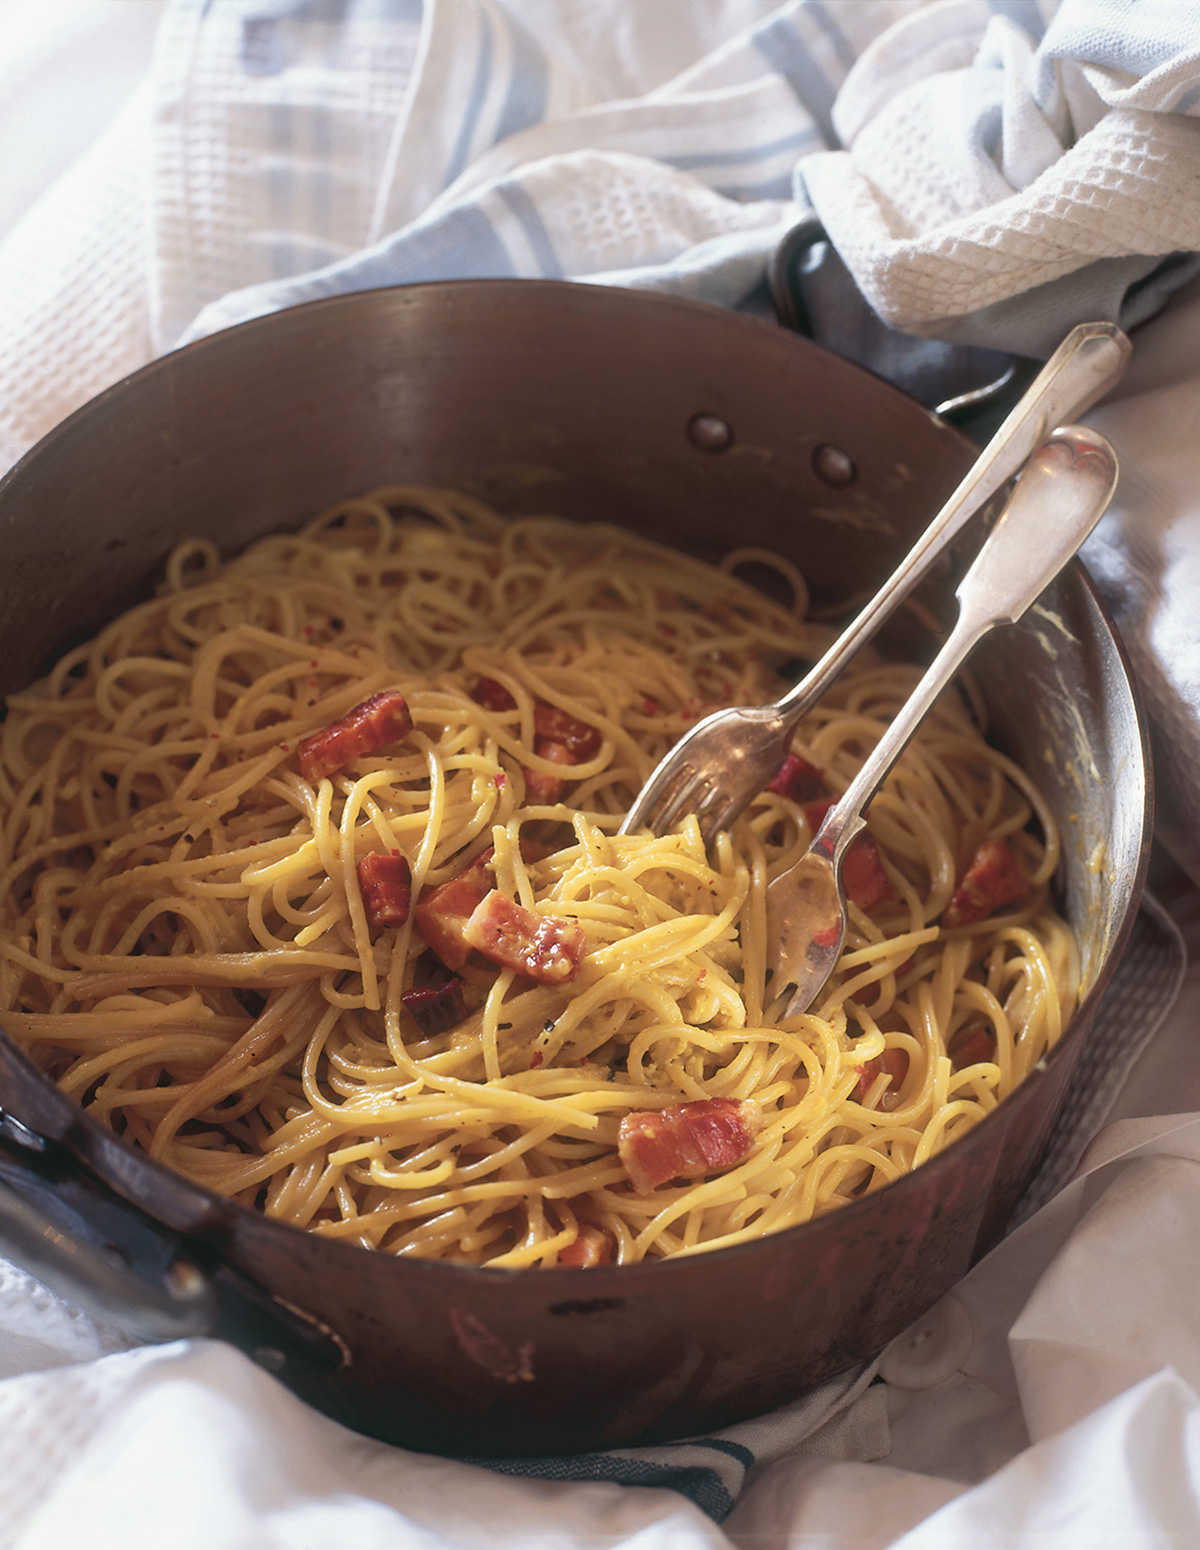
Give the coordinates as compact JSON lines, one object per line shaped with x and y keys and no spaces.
{"x":724,"y":761}
{"x":1062,"y":494}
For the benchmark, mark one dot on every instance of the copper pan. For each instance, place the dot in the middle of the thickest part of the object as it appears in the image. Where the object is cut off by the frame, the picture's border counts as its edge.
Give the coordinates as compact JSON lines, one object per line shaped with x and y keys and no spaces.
{"x":705,"y":429}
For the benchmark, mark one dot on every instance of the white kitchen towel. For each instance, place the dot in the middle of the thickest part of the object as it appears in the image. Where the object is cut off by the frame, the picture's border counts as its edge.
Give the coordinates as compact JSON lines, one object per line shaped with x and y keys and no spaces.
{"x":991,"y":170}
{"x":999,"y":183}
{"x":537,"y":139}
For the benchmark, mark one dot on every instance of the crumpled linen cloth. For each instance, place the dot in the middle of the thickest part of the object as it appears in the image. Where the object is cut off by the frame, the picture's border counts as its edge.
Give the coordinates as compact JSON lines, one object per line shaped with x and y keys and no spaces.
{"x":995,"y":186}
{"x":267,"y":151}
{"x":991,"y":170}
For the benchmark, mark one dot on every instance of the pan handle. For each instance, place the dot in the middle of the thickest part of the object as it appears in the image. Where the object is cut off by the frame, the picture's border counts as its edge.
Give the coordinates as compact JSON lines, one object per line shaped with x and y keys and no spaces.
{"x":173,"y":1305}
{"x":814,"y":293}
{"x":60,"y":1222}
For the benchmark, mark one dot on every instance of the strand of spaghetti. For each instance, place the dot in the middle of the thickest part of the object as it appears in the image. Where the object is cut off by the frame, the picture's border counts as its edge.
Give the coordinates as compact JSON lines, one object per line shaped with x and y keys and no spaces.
{"x":254,"y":970}
{"x":348,"y":876}
{"x":652,"y":947}
{"x":729,"y":1186}
{"x":268,"y":1042}
{"x":186,"y":1016}
{"x":160,"y":1049}
{"x":22,"y":958}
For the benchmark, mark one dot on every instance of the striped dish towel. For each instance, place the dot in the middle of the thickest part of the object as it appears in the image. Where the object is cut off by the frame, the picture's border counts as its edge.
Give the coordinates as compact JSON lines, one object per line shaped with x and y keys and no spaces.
{"x":843,"y":1419}
{"x":992,"y":171}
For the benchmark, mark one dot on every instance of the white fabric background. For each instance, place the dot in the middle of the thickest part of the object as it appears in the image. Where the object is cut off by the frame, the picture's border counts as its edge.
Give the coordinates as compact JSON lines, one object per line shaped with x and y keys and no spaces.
{"x":1070,"y":1414}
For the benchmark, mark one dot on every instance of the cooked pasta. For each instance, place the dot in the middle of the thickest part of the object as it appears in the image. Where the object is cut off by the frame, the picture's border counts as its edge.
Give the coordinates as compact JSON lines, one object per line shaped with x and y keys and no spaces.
{"x":205,"y":924}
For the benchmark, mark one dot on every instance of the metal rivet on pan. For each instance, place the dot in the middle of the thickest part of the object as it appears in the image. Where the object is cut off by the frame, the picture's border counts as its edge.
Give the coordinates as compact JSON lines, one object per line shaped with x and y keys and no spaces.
{"x":710,"y":433}
{"x":185,"y":1282}
{"x":834,"y":466}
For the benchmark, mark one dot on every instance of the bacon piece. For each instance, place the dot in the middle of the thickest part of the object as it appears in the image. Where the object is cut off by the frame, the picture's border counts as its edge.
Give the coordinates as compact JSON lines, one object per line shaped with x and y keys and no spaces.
{"x":592,"y":1247}
{"x":492,"y":695}
{"x":442,"y":915}
{"x":993,"y":878}
{"x":863,"y":877}
{"x":972,"y":1045}
{"x":685,"y":1141}
{"x":542,"y":947}
{"x":385,"y":883}
{"x":862,"y":873}
{"x":543,"y":789}
{"x":894,"y":1062}
{"x":556,"y":726}
{"x":814,"y":812}
{"x":367,"y":728}
{"x":436,"y":1008}
{"x":562,"y":739}
{"x":797,"y":779}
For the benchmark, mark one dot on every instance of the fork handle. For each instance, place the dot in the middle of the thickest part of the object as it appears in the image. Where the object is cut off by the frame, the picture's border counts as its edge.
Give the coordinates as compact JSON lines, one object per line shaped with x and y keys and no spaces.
{"x":1089,"y":361}
{"x":1062,"y":494}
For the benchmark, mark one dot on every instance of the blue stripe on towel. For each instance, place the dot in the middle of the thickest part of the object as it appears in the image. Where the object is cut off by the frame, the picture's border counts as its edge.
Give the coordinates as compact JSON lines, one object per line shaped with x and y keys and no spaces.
{"x":777,"y":187}
{"x":1024,"y":13}
{"x":783,"y":49}
{"x":280,"y":179}
{"x":474,"y":106}
{"x":699,"y":1484}
{"x":522,"y":206}
{"x":843,"y":49}
{"x":735,"y":1450}
{"x":755,"y":182}
{"x":753,"y":155}
{"x":460,"y":245}
{"x":528,"y":86}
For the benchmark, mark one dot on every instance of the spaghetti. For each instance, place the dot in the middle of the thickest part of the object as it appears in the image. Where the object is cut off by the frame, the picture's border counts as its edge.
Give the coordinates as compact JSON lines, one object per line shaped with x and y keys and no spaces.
{"x":206,"y":934}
